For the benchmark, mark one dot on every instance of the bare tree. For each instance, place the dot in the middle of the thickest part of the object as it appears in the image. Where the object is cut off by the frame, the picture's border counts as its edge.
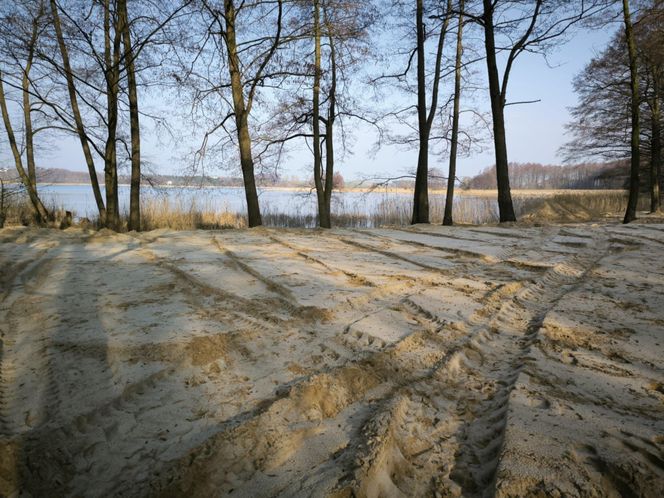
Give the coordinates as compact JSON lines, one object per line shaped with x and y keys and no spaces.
{"x":321,"y":63}
{"x":522,"y":26}
{"x":77,"y":116}
{"x":449,"y":199}
{"x":654,"y":103}
{"x":600,"y":120}
{"x":112,"y":45}
{"x":25,"y":87}
{"x":132,"y":91}
{"x":40,"y":211}
{"x":602,"y":124}
{"x":343,"y":32}
{"x":18,"y":54}
{"x":630,"y":213}
{"x":111,"y":50}
{"x":247,"y":63}
{"x":425,"y":118}
{"x":323,"y":214}
{"x":649,"y":38}
{"x":426,"y":124}
{"x":150,"y":38}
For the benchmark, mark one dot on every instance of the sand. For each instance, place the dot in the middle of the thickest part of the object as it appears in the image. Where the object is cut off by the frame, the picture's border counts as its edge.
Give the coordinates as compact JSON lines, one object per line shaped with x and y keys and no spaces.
{"x":429,"y":361}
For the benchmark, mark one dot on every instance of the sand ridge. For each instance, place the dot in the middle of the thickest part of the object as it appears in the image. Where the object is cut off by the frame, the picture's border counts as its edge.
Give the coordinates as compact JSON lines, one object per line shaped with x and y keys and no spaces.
{"x":422,"y":361}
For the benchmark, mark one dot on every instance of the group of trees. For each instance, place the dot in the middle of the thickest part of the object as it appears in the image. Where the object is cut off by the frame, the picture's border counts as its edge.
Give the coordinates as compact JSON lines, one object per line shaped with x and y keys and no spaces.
{"x":76,"y":67}
{"x":620,"y":100}
{"x":593,"y":175}
{"x":262,"y":75}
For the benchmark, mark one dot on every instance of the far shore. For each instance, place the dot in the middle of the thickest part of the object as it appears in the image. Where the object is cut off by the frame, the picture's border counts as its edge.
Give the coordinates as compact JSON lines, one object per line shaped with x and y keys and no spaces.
{"x":390,"y":190}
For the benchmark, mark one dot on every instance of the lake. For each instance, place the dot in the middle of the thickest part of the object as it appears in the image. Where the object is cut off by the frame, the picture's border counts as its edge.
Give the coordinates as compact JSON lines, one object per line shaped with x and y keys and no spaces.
{"x":377,"y":207}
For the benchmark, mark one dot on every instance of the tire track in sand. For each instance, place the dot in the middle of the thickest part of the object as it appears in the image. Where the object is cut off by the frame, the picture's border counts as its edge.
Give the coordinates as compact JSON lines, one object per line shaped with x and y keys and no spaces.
{"x":505,"y":355}
{"x":26,"y":355}
{"x":232,"y":458}
{"x":452,"y":425}
{"x":413,"y":359}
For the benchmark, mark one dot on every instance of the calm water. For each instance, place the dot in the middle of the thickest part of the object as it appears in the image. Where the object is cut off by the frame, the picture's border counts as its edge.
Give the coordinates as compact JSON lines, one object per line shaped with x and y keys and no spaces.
{"x":377,"y":205}
{"x":79,"y":199}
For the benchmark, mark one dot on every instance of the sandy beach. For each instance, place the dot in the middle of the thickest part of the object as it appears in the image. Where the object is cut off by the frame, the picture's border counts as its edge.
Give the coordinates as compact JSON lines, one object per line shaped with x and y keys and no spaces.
{"x":427,"y":361}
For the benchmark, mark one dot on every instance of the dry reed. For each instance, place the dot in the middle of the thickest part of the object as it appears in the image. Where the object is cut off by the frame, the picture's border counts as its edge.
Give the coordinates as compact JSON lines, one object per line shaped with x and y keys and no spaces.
{"x":177,"y":214}
{"x":180,"y":213}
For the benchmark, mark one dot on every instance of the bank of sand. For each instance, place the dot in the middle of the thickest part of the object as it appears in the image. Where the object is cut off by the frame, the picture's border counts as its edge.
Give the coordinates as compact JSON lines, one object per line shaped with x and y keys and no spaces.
{"x":381,"y":363}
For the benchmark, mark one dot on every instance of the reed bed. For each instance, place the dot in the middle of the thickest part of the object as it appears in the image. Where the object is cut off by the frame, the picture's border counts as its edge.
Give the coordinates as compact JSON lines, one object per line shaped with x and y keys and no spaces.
{"x":180,"y":214}
{"x":184,"y":213}
{"x":18,"y":210}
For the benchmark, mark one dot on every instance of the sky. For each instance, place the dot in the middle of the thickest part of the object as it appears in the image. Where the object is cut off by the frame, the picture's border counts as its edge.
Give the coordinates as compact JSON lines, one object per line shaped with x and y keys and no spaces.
{"x":535,"y":132}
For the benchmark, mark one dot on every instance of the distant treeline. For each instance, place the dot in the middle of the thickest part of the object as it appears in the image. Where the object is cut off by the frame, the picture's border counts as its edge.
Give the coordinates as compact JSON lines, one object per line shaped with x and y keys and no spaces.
{"x":61,"y":175}
{"x":608,"y":175}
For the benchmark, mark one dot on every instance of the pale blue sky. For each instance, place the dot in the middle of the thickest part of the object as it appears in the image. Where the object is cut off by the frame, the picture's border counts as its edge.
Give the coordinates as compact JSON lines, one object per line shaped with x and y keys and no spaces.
{"x":534,"y":131}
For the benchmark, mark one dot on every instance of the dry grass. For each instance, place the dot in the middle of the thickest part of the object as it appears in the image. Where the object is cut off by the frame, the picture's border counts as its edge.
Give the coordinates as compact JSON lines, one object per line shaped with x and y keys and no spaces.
{"x":17,"y":210}
{"x":179,"y":213}
{"x":467,"y":210}
{"x":576,"y":206}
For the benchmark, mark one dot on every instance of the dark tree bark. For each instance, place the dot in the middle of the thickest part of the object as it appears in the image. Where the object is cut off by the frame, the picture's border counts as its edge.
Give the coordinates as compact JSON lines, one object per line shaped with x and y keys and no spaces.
{"x":135,"y":189}
{"x":497,"y":97}
{"x":421,"y":194}
{"x":112,"y":76}
{"x":329,"y":129}
{"x":241,"y":118}
{"x":548,"y":20}
{"x":323,"y":215}
{"x":454,"y":141}
{"x":424,"y":118}
{"x":630,"y":213}
{"x":242,"y":104}
{"x":3,"y":214}
{"x":323,"y":180}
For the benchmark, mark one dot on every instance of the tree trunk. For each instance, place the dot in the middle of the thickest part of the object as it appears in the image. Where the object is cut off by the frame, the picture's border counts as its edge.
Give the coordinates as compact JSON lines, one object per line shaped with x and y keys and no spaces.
{"x":3,"y":216}
{"x":27,"y":114}
{"x":80,"y":129}
{"x":630,"y":213}
{"x":135,"y":192}
{"x":656,"y":152}
{"x":323,"y":215}
{"x":27,"y":118}
{"x":425,"y":119}
{"x":41,"y":213}
{"x":449,"y":199}
{"x":111,"y":61}
{"x":505,"y":206}
{"x":421,"y":194}
{"x":329,"y":131}
{"x":247,"y":163}
{"x":241,"y":118}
